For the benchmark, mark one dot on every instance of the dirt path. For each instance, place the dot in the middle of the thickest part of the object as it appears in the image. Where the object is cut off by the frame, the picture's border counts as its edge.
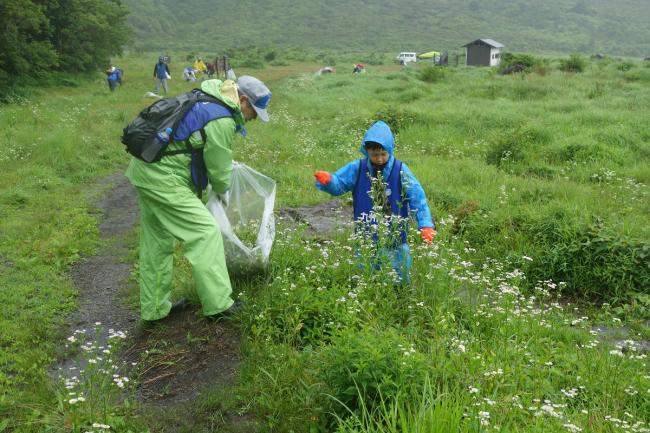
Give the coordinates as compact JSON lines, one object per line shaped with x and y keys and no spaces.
{"x":186,"y":354}
{"x":101,"y":278}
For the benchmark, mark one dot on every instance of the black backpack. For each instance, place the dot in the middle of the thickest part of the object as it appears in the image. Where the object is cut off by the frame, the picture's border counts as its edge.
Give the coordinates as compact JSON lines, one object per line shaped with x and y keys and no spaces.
{"x":141,"y":135}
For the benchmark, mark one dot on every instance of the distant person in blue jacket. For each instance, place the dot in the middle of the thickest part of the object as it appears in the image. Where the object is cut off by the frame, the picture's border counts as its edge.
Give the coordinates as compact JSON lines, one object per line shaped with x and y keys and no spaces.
{"x":398,"y":195}
{"x":113,"y":77}
{"x":161,"y":74}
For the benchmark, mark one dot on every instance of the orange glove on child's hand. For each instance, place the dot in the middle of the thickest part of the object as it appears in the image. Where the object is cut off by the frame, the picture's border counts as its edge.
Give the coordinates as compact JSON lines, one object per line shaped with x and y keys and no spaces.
{"x":323,"y":177}
{"x":428,"y":234}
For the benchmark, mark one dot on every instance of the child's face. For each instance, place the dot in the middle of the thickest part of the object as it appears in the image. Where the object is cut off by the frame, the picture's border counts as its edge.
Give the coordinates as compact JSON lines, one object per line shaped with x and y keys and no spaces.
{"x":378,"y":156}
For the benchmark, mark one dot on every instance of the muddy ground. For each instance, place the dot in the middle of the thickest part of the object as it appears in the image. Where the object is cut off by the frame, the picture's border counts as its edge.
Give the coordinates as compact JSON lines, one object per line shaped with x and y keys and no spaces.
{"x":184,"y":354}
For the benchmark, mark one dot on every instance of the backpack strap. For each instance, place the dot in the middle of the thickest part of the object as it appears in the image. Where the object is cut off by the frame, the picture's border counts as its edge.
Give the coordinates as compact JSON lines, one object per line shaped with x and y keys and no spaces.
{"x":188,"y":146}
{"x":195,"y":120}
{"x":198,"y":170}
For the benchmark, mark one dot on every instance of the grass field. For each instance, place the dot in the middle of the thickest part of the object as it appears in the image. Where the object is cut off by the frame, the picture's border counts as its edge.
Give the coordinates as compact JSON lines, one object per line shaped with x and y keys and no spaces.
{"x":539,"y":184}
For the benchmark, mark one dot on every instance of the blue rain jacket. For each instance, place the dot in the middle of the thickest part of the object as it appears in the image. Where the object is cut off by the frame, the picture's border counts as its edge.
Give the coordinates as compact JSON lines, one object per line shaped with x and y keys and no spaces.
{"x":345,"y":178}
{"x":363,"y":204}
{"x":115,"y":76}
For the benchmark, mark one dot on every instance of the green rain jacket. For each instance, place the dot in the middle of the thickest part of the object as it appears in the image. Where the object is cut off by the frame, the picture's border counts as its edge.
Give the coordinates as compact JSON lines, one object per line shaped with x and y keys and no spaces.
{"x":173,"y":172}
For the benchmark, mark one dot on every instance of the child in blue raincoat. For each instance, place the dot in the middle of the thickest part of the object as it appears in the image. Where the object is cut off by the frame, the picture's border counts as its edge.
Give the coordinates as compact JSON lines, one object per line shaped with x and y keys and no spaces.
{"x":402,"y":194}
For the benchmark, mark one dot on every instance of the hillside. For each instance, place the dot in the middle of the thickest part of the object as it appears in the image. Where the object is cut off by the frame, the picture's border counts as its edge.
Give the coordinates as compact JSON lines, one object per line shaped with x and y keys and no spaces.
{"x":553,"y":26}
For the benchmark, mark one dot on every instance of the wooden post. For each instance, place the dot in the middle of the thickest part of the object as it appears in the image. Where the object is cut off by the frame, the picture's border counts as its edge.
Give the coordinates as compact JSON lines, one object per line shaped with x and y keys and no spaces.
{"x":221,"y":65}
{"x":216,"y":66}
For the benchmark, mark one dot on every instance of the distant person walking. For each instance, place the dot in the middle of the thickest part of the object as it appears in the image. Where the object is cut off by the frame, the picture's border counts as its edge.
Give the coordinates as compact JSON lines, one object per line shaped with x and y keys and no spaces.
{"x":161,"y":74}
{"x":113,"y":77}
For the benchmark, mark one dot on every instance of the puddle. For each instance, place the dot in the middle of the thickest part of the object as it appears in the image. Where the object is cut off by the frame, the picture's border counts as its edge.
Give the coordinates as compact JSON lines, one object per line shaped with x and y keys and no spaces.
{"x":622,"y":338}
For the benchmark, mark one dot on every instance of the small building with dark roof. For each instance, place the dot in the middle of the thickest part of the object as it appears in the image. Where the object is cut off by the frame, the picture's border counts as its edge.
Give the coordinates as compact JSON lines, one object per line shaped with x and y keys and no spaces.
{"x":483,"y":52}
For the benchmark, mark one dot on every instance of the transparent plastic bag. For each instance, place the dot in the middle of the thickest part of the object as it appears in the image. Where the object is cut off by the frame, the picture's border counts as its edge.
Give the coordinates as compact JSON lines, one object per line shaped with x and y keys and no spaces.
{"x":246,"y":218}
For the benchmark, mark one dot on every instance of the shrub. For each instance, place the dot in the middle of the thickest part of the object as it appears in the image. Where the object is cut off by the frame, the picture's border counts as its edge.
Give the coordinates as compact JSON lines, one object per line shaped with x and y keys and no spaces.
{"x":431,"y":74}
{"x":625,"y":66}
{"x":596,"y":262}
{"x":575,"y":63}
{"x":596,"y":91}
{"x":270,"y":56}
{"x":580,"y":152}
{"x":542,"y":68}
{"x":367,"y":368}
{"x":397,"y":118}
{"x":637,"y":75}
{"x":462,"y":213}
{"x":511,"y":145}
{"x":510,"y":59}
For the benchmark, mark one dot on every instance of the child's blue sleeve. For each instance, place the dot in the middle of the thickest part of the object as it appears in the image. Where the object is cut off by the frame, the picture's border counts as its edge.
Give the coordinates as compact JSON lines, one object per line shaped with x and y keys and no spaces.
{"x":416,"y":199}
{"x":343,"y":180}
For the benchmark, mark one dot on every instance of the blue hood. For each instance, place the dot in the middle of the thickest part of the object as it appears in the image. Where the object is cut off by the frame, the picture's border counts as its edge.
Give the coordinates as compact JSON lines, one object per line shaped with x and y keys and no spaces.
{"x":380,"y":133}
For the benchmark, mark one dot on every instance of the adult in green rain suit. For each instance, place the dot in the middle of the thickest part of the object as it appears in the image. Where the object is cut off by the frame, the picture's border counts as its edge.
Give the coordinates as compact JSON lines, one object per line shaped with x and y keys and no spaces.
{"x":171,"y":211}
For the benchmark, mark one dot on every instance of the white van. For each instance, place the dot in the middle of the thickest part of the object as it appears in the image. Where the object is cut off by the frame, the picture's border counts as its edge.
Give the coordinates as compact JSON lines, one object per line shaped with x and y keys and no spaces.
{"x":405,"y":57}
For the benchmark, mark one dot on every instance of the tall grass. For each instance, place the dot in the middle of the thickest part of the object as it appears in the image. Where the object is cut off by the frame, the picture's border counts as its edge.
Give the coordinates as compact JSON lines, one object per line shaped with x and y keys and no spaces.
{"x":428,"y":412}
{"x":540,"y":188}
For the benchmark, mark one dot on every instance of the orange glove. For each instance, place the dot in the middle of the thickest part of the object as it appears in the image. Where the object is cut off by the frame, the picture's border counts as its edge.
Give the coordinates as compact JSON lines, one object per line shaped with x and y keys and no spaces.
{"x":428,"y":234}
{"x":323,"y":177}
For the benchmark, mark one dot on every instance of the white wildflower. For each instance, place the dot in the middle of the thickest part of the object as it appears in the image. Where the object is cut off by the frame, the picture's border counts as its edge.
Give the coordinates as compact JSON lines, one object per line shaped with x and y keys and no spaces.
{"x":572,"y":428}
{"x":484,"y":417}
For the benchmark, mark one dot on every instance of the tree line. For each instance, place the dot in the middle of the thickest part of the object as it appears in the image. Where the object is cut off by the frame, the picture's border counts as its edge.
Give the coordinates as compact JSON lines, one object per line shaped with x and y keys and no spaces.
{"x":41,"y":37}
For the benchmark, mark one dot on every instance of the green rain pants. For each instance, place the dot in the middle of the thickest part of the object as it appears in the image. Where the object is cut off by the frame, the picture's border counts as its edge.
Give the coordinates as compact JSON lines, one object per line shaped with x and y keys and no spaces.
{"x":168,"y":216}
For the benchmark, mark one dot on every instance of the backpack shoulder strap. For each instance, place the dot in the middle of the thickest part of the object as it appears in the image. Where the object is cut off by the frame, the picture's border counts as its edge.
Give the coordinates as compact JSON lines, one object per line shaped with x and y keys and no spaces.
{"x":195,"y":119}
